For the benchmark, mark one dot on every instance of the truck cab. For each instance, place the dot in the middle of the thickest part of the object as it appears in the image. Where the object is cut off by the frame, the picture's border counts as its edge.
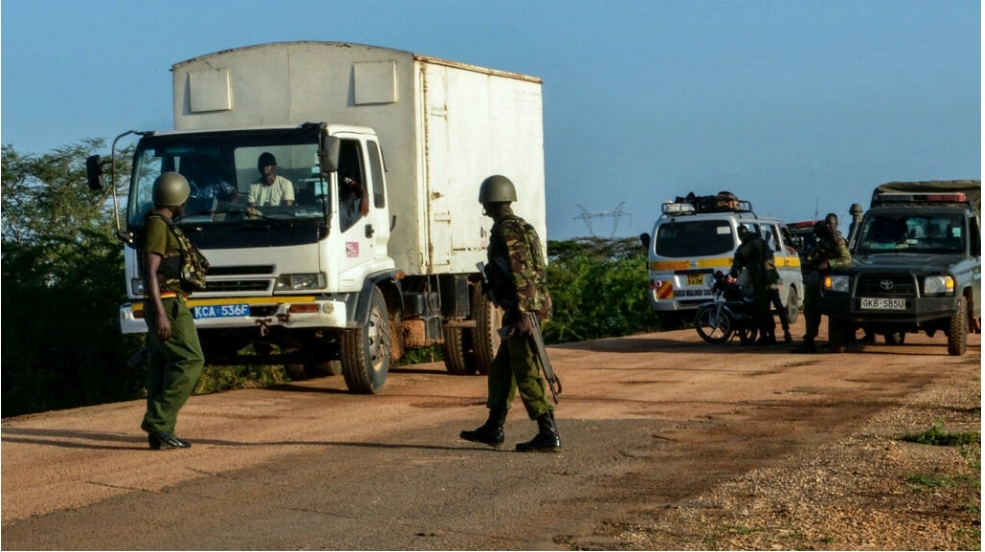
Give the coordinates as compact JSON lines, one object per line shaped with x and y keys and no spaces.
{"x":916,"y":267}
{"x":694,"y":237}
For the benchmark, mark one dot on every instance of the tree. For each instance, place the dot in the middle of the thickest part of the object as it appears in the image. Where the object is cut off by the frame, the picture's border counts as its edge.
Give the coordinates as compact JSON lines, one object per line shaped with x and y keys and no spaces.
{"x":61,"y":271}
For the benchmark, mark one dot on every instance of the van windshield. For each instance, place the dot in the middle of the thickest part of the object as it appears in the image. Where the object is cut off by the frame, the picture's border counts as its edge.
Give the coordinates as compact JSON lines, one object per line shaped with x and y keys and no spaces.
{"x":694,"y":238}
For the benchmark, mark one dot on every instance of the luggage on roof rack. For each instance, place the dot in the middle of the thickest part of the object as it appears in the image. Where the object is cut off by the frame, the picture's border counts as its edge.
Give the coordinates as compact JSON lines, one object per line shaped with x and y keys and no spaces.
{"x":722,"y":202}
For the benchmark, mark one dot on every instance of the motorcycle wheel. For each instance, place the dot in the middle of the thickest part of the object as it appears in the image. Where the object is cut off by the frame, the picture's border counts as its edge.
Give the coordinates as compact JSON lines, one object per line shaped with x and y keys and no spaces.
{"x":712,"y":326}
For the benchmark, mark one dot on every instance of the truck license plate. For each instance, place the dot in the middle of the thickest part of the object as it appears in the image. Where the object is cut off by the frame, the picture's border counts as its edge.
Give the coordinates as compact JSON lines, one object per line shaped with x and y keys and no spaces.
{"x":883,"y":303}
{"x":695,"y":279}
{"x":220,"y":311}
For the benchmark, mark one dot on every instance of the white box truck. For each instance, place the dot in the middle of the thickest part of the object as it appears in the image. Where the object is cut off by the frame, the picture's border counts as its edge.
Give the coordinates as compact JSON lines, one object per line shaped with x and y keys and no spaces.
{"x":308,"y":283}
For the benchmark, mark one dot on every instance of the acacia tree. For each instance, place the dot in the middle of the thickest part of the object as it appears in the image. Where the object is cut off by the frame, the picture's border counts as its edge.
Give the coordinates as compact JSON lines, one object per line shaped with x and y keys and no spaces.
{"x":62,"y":275}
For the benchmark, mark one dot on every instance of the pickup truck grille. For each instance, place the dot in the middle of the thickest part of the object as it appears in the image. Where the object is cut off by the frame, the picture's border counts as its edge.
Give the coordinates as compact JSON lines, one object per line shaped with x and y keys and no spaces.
{"x":886,"y":285}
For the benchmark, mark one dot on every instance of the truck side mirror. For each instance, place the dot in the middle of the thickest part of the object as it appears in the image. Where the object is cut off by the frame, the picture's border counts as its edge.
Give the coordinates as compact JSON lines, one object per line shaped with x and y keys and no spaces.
{"x":645,"y":240}
{"x":94,"y":172}
{"x":328,"y":154}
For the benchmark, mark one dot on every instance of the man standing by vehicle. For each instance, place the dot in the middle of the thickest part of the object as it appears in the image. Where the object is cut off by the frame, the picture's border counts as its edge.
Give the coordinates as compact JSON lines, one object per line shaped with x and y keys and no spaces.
{"x":751,"y":256}
{"x":831,"y":252}
{"x":174,"y":355}
{"x":517,"y":279}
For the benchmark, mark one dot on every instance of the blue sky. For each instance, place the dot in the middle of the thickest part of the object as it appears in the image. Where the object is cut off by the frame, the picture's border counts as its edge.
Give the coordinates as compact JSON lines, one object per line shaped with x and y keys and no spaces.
{"x":797,"y":106}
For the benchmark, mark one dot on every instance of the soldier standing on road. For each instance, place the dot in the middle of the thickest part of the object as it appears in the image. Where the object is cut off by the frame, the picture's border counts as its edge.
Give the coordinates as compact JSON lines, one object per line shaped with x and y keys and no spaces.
{"x":174,"y":355}
{"x":831,"y":252}
{"x":751,"y":256}
{"x":517,"y":275}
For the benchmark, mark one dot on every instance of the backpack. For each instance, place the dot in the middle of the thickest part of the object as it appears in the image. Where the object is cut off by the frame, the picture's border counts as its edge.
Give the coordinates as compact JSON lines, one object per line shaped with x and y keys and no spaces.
{"x":193,"y":266}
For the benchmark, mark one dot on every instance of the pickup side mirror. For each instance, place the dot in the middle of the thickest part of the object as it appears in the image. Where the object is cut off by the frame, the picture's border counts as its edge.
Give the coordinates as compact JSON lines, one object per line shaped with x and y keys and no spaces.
{"x":645,"y":240}
{"x":328,"y":154}
{"x":94,"y":172}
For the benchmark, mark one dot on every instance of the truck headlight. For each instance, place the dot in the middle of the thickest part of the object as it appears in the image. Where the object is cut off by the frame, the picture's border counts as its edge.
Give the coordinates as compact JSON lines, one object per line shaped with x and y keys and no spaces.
{"x":137,"y":286}
{"x":938,"y":285}
{"x":300,"y":282}
{"x":837,"y":283}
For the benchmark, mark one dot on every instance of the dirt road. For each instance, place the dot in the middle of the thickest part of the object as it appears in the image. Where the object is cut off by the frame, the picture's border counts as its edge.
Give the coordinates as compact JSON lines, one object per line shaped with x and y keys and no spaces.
{"x":668,"y":443}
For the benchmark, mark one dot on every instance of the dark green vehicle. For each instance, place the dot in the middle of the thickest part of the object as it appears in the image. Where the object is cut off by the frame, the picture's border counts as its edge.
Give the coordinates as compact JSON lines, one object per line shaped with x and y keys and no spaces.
{"x":916,"y":267}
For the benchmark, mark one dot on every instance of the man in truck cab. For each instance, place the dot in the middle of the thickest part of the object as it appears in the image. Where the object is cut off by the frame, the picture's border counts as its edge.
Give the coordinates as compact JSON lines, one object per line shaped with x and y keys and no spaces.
{"x":270,"y":189}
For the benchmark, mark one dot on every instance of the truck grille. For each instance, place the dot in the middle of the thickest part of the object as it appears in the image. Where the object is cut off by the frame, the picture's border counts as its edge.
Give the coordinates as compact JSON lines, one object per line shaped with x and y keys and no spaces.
{"x":886,"y":285}
{"x":237,"y":285}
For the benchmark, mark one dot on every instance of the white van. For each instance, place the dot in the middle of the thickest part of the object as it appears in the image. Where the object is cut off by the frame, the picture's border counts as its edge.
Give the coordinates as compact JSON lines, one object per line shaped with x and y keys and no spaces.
{"x":693,"y":238}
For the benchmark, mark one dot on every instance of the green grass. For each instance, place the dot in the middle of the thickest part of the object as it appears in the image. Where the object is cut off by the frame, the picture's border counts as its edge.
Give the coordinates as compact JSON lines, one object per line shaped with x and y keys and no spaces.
{"x":936,"y":436}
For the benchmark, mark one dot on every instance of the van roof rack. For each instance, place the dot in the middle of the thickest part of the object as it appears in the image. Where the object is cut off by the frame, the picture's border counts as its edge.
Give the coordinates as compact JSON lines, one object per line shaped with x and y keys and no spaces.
{"x":722,"y":202}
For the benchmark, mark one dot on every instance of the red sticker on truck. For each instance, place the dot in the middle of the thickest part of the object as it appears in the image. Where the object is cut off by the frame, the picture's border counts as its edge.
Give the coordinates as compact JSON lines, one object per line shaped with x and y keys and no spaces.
{"x":351,"y":249}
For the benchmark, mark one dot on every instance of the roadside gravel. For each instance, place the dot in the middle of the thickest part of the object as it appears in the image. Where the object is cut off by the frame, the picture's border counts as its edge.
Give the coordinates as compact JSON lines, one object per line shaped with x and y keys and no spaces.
{"x":869,"y":491}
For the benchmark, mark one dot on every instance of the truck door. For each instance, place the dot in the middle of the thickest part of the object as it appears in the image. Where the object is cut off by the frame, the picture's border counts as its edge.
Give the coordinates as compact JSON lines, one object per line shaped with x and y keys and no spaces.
{"x":360,"y":202}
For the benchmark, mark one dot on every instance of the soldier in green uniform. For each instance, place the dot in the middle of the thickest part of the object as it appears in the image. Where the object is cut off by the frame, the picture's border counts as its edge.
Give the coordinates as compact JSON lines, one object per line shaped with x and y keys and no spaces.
{"x":516,"y":274}
{"x":751,"y":256}
{"x":174,"y":355}
{"x":831,"y":252}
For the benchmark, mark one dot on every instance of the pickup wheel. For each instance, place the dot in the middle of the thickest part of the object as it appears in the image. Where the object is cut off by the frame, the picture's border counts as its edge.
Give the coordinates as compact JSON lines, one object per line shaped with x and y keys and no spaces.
{"x":837,"y":334}
{"x":485,"y":337}
{"x":957,"y":333}
{"x":894,"y":338}
{"x":458,"y":351}
{"x":793,"y":305}
{"x":366,"y":350}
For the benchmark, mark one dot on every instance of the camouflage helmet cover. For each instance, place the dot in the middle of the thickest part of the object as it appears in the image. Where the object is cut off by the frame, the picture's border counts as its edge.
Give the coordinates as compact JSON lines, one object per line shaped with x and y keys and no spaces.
{"x":497,"y":189}
{"x":171,"y":189}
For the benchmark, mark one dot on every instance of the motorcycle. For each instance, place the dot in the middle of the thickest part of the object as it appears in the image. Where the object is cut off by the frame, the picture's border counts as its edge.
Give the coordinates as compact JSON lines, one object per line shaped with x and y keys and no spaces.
{"x":730,"y":313}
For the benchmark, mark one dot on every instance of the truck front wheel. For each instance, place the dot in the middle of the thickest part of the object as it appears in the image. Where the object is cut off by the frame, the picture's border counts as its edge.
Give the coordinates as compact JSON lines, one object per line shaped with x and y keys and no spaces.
{"x":957,"y":333}
{"x":793,"y":306}
{"x":366,"y":350}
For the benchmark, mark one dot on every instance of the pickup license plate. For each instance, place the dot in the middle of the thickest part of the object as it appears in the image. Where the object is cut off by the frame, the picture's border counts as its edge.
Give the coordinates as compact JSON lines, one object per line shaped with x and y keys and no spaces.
{"x":695,"y":279}
{"x":883,"y":303}
{"x":220,"y":311}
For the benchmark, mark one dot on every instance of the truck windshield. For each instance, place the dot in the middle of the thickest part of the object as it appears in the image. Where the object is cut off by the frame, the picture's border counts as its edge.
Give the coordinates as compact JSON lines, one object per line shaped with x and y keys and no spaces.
{"x":221,"y":169}
{"x":913,"y":233}
{"x":694,"y":238}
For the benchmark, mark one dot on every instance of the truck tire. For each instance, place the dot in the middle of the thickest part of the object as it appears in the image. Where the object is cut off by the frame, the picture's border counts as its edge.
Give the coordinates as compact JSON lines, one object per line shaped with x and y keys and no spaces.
{"x":458,"y":351}
{"x":957,"y":333}
{"x":793,"y":305}
{"x":485,"y":337}
{"x":837,"y":335}
{"x":366,"y":350}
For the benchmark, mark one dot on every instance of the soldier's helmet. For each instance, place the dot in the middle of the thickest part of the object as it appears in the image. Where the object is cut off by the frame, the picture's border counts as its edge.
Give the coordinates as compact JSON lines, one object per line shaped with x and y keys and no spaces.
{"x":171,"y":189}
{"x":497,"y":189}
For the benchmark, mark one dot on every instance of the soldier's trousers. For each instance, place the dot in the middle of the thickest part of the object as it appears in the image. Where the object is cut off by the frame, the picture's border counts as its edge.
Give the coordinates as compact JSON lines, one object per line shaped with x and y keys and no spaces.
{"x":173,"y":366}
{"x":516,"y":367}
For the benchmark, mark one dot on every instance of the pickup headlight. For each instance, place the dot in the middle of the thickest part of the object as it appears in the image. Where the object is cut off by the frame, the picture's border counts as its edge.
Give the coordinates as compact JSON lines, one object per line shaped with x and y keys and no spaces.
{"x":837,"y":283}
{"x":300,"y":282}
{"x":938,"y":285}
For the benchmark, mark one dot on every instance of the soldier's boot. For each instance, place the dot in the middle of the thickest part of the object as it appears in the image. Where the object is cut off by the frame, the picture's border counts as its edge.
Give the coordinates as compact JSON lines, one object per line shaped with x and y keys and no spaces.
{"x":806,"y":347}
{"x":787,"y":338}
{"x":491,"y":432}
{"x":547,"y":438}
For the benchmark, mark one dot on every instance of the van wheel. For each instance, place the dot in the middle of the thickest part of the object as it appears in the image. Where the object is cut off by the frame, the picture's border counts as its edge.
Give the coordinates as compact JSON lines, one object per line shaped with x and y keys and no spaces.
{"x":458,"y":351}
{"x":672,"y":320}
{"x":366,"y":350}
{"x":485,"y":337}
{"x":957,"y":333}
{"x":793,"y":305}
